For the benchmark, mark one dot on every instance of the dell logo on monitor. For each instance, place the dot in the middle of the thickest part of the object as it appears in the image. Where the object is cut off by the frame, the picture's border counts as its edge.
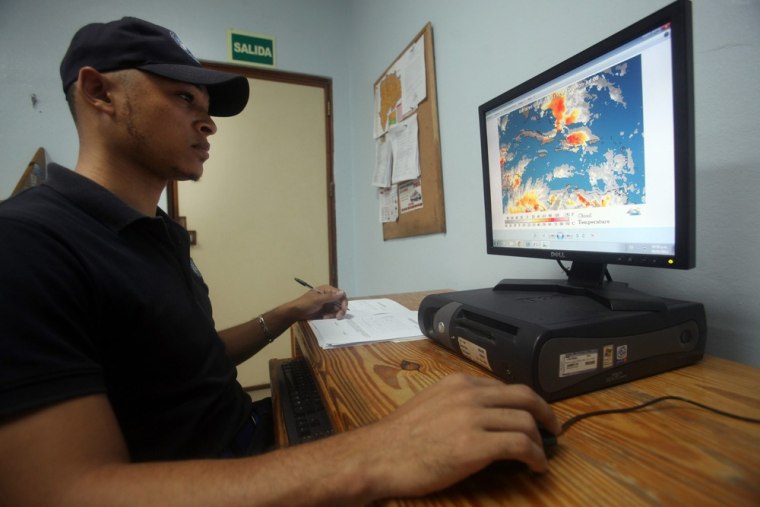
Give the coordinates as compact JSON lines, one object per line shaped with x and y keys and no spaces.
{"x":557,"y":255}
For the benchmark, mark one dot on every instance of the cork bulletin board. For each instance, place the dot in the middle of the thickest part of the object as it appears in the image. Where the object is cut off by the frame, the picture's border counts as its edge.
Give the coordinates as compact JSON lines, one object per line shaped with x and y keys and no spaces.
{"x":430,"y":217}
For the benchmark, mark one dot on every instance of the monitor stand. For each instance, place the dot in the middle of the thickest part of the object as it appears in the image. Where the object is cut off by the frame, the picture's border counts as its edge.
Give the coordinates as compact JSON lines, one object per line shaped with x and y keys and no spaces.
{"x":587,"y":279}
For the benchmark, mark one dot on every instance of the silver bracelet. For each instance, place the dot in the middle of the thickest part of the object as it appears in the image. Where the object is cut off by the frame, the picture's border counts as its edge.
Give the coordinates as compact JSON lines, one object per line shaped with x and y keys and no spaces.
{"x":263,"y":324}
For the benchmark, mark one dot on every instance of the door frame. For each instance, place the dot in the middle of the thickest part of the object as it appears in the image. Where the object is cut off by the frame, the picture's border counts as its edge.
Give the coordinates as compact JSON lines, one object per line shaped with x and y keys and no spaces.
{"x":172,"y":192}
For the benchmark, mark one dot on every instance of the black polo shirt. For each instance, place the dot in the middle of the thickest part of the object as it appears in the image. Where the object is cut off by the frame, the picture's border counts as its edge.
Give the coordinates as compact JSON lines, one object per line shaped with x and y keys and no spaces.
{"x":97,"y":298}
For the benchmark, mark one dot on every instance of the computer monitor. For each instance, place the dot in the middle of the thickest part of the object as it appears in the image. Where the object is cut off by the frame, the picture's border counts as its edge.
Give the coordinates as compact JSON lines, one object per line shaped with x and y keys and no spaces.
{"x":592,"y":161}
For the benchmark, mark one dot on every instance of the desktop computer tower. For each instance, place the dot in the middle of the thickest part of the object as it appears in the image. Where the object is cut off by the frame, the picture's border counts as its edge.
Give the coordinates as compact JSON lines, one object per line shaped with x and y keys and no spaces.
{"x":563,"y":344}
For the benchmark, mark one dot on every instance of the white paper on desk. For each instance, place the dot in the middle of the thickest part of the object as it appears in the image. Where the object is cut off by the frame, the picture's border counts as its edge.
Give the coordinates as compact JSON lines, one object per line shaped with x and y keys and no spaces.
{"x":368,"y":320}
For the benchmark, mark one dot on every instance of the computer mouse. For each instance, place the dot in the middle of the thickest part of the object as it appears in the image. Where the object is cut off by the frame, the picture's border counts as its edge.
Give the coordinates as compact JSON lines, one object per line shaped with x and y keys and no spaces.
{"x":549,"y":441}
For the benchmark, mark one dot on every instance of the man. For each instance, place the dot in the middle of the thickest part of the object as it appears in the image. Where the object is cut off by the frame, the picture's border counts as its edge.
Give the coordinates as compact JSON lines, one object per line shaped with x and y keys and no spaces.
{"x":115,"y":387}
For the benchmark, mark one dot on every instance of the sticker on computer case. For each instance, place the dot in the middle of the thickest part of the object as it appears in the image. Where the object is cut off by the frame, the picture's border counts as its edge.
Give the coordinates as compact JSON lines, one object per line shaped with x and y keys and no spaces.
{"x":621,"y":355}
{"x":474,"y":353}
{"x":576,"y":363}
{"x":608,"y":356}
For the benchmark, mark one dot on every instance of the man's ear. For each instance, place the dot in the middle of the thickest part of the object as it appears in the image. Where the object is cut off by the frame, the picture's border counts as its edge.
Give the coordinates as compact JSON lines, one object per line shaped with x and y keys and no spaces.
{"x":96,"y":89}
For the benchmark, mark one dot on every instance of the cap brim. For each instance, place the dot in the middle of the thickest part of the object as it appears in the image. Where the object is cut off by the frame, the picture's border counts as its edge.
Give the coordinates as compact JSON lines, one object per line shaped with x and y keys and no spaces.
{"x":228,"y":93}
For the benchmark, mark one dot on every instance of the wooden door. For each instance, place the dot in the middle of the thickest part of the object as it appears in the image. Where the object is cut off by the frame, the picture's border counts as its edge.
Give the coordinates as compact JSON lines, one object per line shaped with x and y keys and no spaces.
{"x":263,"y":212}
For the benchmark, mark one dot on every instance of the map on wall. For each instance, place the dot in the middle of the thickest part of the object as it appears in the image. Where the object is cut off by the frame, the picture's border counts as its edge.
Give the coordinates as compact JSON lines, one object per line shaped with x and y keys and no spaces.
{"x":388,"y":97}
{"x":570,"y":149}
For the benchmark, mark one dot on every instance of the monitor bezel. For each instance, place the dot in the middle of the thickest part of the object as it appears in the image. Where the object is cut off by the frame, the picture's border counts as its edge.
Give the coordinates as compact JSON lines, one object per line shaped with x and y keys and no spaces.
{"x":678,"y":14}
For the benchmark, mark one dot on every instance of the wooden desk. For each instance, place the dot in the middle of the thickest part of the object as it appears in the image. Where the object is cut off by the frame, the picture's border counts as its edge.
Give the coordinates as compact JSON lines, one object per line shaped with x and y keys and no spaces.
{"x":668,"y":454}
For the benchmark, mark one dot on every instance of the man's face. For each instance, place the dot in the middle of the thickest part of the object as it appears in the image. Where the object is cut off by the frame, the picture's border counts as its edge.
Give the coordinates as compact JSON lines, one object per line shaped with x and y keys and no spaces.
{"x":167,"y":125}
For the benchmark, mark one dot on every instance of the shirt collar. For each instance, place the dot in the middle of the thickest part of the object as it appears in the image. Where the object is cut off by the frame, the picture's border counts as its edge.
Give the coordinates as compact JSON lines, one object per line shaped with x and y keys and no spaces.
{"x":96,"y":200}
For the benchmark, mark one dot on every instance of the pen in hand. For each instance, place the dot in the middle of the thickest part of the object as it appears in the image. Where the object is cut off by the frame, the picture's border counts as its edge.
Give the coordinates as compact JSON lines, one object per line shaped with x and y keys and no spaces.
{"x":311,"y":287}
{"x":307,"y":285}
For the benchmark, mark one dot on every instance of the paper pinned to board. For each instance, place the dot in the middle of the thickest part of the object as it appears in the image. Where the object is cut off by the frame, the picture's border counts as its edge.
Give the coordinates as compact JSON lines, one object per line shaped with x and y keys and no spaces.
{"x":388,"y":200}
{"x":368,"y":321}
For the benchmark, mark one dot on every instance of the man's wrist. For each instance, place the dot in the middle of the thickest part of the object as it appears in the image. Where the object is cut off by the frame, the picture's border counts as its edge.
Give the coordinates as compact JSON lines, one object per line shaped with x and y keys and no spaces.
{"x":268,"y":336}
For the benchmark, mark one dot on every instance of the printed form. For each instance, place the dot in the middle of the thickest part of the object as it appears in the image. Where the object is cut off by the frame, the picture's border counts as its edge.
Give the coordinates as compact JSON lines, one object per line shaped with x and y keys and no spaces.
{"x":367,"y":321}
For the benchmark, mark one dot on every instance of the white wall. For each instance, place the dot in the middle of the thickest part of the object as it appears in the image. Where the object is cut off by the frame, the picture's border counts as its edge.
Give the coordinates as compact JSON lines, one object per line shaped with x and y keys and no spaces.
{"x":488,"y":47}
{"x":483,"y":47}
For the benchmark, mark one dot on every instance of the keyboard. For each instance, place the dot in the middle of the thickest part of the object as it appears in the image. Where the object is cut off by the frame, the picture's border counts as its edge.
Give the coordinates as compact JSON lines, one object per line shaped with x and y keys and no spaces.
{"x":303,"y":409}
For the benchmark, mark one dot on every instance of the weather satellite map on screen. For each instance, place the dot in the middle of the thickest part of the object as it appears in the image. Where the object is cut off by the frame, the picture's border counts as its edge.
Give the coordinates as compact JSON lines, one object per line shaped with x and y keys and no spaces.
{"x":576,"y":148}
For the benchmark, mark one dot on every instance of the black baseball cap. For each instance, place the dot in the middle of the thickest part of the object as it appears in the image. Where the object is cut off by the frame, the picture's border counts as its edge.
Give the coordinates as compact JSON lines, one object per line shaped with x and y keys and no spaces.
{"x":132,"y":43}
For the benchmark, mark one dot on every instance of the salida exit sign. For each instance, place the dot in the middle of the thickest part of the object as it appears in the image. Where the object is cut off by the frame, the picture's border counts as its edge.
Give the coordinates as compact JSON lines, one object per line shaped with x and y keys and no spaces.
{"x":251,"y":48}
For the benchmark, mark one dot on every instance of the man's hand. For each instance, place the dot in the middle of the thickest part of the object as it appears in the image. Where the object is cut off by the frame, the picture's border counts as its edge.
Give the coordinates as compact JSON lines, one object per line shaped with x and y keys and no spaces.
{"x":323,"y":302}
{"x":245,"y":340}
{"x":452,"y":430}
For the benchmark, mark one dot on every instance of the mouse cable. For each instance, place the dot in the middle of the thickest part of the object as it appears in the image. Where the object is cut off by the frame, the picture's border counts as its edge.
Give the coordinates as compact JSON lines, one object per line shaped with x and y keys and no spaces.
{"x":570,"y":422}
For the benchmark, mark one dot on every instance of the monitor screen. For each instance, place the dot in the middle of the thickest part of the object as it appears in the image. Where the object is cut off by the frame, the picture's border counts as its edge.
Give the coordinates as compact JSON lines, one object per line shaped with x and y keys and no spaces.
{"x":592,"y":161}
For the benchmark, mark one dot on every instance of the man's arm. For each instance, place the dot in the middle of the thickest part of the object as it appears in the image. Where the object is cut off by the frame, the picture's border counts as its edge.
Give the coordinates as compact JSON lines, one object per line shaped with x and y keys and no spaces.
{"x":73,"y":454}
{"x":245,"y":340}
